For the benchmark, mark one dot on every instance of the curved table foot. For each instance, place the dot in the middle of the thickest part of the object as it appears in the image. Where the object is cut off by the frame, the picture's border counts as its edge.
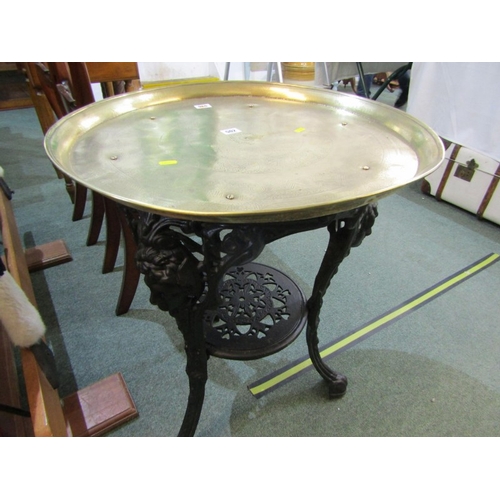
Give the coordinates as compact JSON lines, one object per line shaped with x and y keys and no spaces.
{"x":338,"y":387}
{"x":345,"y":233}
{"x":336,"y":382}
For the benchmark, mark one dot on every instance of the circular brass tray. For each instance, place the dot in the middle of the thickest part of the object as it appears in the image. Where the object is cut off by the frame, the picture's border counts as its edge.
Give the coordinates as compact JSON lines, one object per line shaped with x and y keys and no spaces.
{"x":242,"y":151}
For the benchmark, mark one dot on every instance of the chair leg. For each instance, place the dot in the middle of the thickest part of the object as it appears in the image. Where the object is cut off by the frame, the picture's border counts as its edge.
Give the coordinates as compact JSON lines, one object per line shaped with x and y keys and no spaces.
{"x":113,"y":234}
{"x":70,"y":188}
{"x":70,"y":185}
{"x":96,"y":219}
{"x":80,"y":199}
{"x":131,"y":274}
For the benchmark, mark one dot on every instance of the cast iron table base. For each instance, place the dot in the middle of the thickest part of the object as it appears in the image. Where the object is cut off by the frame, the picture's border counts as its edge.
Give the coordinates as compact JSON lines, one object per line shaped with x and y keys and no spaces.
{"x":202,"y":273}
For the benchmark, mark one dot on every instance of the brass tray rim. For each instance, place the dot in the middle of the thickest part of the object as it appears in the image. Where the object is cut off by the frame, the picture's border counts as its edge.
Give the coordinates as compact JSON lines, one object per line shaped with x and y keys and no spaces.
{"x":245,"y":88}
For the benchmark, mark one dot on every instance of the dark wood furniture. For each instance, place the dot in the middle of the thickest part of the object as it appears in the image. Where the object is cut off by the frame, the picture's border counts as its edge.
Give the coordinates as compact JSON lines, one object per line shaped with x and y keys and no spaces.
{"x":67,"y":87}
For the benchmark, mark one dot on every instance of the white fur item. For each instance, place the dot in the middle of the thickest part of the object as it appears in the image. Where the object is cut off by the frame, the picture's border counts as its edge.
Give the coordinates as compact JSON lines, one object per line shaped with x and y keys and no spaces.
{"x":20,"y":318}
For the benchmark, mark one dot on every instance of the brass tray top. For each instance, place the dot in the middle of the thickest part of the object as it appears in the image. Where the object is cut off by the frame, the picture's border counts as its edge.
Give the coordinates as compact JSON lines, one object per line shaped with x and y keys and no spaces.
{"x":242,"y":151}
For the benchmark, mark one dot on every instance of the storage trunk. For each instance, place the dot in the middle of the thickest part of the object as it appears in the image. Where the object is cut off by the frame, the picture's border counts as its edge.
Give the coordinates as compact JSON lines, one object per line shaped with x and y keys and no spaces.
{"x":469,"y":180}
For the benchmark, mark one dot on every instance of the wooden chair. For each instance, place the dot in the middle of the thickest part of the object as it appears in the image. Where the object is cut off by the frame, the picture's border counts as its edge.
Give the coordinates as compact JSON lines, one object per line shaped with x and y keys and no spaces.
{"x":56,"y":84}
{"x":44,"y":112}
{"x":68,"y":87}
{"x":115,"y":78}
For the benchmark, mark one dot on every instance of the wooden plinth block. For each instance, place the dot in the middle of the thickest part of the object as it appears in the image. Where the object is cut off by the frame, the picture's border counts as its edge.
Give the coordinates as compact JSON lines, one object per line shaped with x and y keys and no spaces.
{"x":47,"y":255}
{"x":99,"y":408}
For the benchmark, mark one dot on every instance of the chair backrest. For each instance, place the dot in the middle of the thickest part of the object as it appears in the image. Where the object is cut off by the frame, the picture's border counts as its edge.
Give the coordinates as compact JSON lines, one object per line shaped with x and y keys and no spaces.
{"x":66,"y":85}
{"x":80,"y":84}
{"x":114,"y":77}
{"x":48,"y":83}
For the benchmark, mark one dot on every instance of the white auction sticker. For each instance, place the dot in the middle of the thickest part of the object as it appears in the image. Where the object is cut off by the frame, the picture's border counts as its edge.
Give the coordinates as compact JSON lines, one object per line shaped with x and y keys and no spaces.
{"x":202,"y":106}
{"x":229,"y":131}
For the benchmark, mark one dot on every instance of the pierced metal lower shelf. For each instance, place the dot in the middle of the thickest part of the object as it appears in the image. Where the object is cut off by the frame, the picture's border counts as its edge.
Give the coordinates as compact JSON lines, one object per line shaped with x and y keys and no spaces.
{"x":261,"y":311}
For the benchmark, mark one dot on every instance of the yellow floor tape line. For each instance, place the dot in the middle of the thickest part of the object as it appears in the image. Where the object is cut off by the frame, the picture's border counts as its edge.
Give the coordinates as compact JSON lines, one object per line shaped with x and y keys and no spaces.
{"x":292,"y":370}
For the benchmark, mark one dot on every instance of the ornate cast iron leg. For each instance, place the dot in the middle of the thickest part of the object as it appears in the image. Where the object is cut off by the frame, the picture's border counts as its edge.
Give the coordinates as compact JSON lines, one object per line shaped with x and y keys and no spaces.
{"x":196,"y":369}
{"x":174,"y":275}
{"x":183,"y":277}
{"x":345,"y":232}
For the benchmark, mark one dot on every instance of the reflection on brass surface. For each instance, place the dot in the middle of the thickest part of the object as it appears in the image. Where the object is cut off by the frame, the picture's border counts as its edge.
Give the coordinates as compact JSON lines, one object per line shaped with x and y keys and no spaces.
{"x":242,"y":151}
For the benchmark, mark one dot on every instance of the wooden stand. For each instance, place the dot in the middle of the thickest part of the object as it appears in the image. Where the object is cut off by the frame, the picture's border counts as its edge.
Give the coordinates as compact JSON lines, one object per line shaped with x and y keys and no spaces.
{"x":95,"y":410}
{"x":47,"y":255}
{"x":92,"y":411}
